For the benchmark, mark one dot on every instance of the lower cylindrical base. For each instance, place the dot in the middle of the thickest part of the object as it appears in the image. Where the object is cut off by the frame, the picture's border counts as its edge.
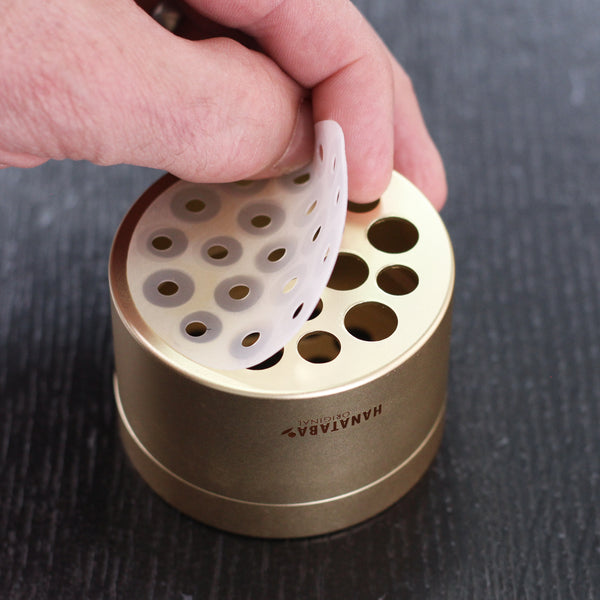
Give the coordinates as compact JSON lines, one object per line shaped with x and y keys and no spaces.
{"x":280,"y":520}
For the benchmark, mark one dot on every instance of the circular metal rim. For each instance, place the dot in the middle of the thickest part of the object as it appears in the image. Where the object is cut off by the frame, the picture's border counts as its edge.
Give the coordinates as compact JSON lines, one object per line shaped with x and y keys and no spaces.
{"x":151,"y":342}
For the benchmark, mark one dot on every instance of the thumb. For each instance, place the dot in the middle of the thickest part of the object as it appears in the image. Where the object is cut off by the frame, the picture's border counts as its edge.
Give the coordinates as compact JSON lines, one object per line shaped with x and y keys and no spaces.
{"x":121,"y":89}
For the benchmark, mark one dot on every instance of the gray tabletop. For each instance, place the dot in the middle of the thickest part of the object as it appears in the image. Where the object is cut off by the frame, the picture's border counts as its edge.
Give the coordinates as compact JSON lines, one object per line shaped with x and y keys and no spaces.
{"x":510,"y":507}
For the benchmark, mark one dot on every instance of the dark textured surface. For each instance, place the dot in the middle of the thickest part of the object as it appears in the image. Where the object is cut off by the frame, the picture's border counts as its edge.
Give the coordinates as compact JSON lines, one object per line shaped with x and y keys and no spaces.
{"x":510,"y":508}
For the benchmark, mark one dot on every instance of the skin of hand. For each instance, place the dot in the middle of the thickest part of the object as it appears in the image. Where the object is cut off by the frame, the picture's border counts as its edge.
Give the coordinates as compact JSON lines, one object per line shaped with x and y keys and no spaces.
{"x":104,"y":82}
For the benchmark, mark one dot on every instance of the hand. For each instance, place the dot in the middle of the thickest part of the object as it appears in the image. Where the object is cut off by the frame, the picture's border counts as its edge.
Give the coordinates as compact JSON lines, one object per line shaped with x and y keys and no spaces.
{"x":102,"y":81}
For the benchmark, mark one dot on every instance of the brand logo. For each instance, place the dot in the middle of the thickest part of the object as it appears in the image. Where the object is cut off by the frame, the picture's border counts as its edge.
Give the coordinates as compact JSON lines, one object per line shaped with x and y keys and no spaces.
{"x":331,"y":423}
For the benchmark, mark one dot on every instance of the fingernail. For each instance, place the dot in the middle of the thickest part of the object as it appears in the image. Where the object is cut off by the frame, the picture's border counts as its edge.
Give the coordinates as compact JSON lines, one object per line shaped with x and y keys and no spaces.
{"x":300,"y":148}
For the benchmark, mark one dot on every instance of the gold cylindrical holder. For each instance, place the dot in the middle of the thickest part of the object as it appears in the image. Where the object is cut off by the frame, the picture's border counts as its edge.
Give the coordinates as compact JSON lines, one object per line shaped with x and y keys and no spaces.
{"x":332,"y":429}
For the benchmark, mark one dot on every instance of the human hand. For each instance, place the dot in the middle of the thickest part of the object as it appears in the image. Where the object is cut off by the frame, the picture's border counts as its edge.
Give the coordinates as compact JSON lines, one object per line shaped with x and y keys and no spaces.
{"x":102,"y":81}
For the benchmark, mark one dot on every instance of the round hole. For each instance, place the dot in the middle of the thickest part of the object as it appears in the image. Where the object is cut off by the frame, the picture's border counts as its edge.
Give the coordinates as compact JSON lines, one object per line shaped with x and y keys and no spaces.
{"x":217,"y":252}
{"x":362,"y":207}
{"x":196,"y":329}
{"x":297,"y":311}
{"x":162,"y":242}
{"x":290,"y":285}
{"x":261,"y":221}
{"x":167,"y":288}
{"x":319,"y":347}
{"x":195,"y":205}
{"x":167,"y":242}
{"x":276,"y":255}
{"x":393,"y":235}
{"x":250,"y":339}
{"x":300,"y":179}
{"x":261,"y":218}
{"x":397,"y":280}
{"x":201,"y":327}
{"x":239,"y":292}
{"x":270,"y":362}
{"x":349,"y":272}
{"x":221,"y":251}
{"x":316,"y":234}
{"x":245,"y":187}
{"x":371,"y":321}
{"x":316,"y":310}
{"x":311,"y":208}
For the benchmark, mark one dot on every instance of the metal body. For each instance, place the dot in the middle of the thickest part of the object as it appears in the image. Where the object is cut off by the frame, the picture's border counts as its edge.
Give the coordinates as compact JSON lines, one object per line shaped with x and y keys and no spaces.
{"x":330,"y":432}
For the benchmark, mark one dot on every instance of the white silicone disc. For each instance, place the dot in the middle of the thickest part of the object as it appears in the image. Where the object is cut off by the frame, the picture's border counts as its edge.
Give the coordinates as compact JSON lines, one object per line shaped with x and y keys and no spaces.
{"x":226,"y":274}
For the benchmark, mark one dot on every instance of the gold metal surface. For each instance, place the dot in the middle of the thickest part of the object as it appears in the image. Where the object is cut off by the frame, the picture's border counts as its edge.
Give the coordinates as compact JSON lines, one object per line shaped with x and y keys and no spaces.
{"x":334,"y":431}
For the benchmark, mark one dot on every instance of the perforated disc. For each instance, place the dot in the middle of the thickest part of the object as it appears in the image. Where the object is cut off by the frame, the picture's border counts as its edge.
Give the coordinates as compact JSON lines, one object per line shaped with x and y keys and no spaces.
{"x":226,"y":274}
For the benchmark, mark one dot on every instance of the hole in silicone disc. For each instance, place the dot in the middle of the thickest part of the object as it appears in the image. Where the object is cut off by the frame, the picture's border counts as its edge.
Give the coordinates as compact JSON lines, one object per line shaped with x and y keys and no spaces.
{"x":217,"y":252}
{"x":261,"y":221}
{"x":297,"y":311}
{"x":302,"y":178}
{"x":167,"y":288}
{"x":290,"y":285}
{"x":195,"y":205}
{"x":196,"y":329}
{"x":239,"y":292}
{"x":162,"y":242}
{"x":250,"y":339}
{"x":276,"y":255}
